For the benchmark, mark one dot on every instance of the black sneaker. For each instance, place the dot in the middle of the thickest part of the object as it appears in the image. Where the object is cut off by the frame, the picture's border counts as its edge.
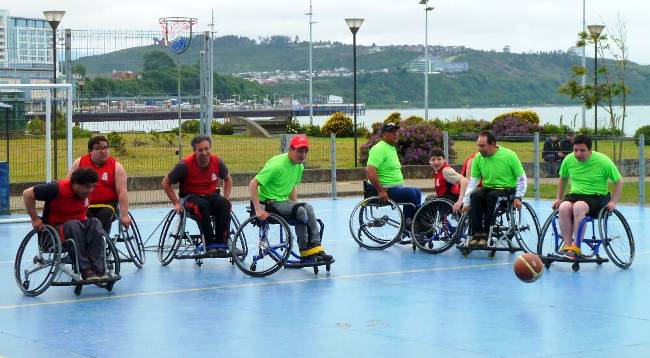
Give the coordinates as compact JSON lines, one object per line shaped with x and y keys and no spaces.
{"x":322,"y":256}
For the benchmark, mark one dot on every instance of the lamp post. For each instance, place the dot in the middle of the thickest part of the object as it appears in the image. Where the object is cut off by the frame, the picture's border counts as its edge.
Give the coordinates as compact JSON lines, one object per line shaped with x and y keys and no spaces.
{"x":354,"y":24}
{"x":311,"y":70}
{"x":54,"y":17}
{"x":426,"y":57}
{"x":595,"y":31}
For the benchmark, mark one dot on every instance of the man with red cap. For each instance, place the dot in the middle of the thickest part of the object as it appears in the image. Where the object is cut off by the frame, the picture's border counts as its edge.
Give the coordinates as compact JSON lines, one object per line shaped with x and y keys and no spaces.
{"x":276,"y":186}
{"x":198,"y":176}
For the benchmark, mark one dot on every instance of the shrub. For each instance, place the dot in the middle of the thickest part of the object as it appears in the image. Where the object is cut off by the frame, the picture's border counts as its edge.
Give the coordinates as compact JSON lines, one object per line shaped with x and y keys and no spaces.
{"x":376,"y":127}
{"x":191,"y":126}
{"x":362,"y":131}
{"x":78,"y":132}
{"x":339,"y":124}
{"x":214,"y":126}
{"x":613,"y":132}
{"x":525,"y":116}
{"x":414,"y":144}
{"x":293,"y":127}
{"x":513,"y":126}
{"x":155,"y":136}
{"x":394,"y":117}
{"x":549,"y":129}
{"x":645,"y":130}
{"x":461,"y":126}
{"x":414,"y":120}
{"x":117,"y":142}
{"x":225,"y":128}
{"x":311,"y":130}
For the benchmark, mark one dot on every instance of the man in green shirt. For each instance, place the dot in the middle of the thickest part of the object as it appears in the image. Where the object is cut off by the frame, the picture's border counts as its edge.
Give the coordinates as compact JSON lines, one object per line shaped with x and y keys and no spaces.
{"x":502,"y":174}
{"x":588,"y":172}
{"x":384,"y":171}
{"x":276,"y":186}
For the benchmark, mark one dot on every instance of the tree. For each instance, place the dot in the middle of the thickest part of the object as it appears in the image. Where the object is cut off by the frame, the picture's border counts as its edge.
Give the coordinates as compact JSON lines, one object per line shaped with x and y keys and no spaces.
{"x":157,"y":59}
{"x":79,"y":69}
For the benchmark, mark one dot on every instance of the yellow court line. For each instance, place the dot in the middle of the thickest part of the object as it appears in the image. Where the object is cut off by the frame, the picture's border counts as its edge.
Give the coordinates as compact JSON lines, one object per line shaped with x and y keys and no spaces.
{"x":258,"y":284}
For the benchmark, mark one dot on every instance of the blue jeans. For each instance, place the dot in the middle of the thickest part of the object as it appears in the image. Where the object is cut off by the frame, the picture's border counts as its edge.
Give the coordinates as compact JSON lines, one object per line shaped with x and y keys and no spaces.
{"x":406,"y":195}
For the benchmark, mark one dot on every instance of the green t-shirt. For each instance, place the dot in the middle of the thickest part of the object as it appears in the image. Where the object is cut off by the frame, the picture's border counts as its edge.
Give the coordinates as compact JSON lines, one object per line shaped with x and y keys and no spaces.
{"x":589,"y":177}
{"x":383,"y":156}
{"x":499,"y":170}
{"x":278,"y":178}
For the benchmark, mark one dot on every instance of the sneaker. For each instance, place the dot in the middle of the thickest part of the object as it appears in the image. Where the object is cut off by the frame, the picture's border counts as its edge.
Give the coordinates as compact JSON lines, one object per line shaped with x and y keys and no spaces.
{"x":89,"y":275}
{"x":482,"y":243}
{"x":322,"y":256}
{"x":102,"y":276}
{"x":216,"y":248}
{"x":473,"y":242}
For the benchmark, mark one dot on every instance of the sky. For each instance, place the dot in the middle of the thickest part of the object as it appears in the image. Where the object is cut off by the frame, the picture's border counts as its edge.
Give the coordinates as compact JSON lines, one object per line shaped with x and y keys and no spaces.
{"x":524,"y":25}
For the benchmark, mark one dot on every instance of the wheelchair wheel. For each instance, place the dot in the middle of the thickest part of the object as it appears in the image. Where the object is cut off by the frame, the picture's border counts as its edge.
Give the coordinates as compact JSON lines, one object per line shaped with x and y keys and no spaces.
{"x":234,"y":227}
{"x":260,"y":248}
{"x":37,"y":261}
{"x":550,"y":238}
{"x":171,"y":237}
{"x":133,"y":242}
{"x":434,"y":226}
{"x":112,"y":263}
{"x":376,"y":225}
{"x":462,"y":233}
{"x":617,"y":237}
{"x":527,"y":227}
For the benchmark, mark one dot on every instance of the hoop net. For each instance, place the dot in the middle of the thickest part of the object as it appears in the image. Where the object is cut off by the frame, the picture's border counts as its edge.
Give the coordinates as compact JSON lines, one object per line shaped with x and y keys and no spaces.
{"x":177,"y":32}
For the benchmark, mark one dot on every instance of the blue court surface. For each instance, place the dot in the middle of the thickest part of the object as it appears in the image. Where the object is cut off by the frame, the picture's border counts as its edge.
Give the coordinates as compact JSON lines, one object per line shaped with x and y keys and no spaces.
{"x":394,"y":302}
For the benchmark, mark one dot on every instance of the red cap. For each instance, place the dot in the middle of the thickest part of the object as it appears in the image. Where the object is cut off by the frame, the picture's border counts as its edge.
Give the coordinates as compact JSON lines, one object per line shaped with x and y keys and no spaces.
{"x":299,"y":141}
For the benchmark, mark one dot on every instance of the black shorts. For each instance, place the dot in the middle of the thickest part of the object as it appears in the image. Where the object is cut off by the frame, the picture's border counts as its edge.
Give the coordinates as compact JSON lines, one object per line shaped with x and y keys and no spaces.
{"x":595,"y":202}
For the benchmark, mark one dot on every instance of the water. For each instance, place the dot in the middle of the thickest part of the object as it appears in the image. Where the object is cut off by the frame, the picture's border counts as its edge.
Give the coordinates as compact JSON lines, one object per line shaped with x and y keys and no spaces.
{"x":637,"y":116}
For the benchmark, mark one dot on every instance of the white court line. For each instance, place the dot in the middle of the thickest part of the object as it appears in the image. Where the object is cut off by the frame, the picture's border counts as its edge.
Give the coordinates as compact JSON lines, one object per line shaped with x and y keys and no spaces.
{"x":259,"y":284}
{"x":6,"y":262}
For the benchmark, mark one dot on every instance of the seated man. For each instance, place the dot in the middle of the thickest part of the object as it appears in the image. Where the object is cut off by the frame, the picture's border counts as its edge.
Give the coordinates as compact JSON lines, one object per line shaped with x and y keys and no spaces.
{"x":384,"y":171}
{"x":111,"y":186}
{"x":66,"y":202}
{"x":587,"y":171}
{"x":552,"y":155}
{"x":276,"y":186}
{"x":502,"y":174}
{"x":198,"y":175}
{"x":446,"y":181}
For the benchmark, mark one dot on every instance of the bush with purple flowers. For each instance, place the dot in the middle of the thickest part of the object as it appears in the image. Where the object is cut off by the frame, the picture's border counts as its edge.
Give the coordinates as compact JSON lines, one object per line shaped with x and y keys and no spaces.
{"x":511,"y":126}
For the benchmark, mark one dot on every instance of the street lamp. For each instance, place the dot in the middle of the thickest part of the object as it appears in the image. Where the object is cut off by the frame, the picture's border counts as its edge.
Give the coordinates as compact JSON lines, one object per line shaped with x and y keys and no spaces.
{"x":595,"y":31}
{"x":54,"y":17}
{"x":354,"y":24}
{"x":427,"y":65}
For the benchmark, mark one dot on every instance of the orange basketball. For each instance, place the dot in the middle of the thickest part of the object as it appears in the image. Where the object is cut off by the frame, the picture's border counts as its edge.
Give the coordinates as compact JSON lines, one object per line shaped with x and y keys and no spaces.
{"x":528,"y":267}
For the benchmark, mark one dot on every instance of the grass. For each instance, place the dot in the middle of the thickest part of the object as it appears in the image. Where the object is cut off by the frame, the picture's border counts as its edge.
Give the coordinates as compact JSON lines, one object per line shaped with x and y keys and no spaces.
{"x":146,"y":157}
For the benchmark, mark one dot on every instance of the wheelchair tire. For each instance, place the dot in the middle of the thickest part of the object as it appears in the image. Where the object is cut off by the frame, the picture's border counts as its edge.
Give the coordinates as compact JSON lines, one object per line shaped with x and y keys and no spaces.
{"x":434,"y":226}
{"x":617,"y":237}
{"x":260,"y":248}
{"x":550,"y":239}
{"x":112,"y":265}
{"x":44,"y":250}
{"x":382,"y":223}
{"x":528,"y":230}
{"x":170,"y":237}
{"x":133,"y":242}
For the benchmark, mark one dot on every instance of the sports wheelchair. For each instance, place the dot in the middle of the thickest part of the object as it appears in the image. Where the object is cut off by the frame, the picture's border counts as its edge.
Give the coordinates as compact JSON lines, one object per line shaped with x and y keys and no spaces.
{"x":614,"y":234}
{"x":43,"y":260}
{"x":376,"y":224}
{"x":511,"y":229}
{"x":434,"y":226}
{"x":130,"y":238}
{"x":176,"y":242}
{"x":261,"y":248}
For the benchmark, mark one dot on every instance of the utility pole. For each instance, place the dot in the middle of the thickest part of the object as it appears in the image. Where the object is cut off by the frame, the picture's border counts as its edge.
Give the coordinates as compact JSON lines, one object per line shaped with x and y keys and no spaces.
{"x":311,"y":70}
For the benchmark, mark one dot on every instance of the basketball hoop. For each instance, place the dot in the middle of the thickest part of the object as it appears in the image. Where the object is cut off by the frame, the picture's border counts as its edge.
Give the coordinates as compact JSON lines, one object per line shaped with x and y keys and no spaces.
{"x":177,"y":32}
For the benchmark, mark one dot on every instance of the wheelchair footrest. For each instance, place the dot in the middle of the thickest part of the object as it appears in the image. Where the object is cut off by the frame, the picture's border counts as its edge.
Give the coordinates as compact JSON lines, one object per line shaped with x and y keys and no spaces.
{"x":298,"y":264}
{"x":488,"y":248}
{"x":222,"y":255}
{"x":578,"y":259}
{"x":110,"y":279}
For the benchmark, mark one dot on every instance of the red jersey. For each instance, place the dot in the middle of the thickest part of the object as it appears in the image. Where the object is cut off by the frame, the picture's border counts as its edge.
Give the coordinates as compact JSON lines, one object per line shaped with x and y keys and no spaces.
{"x":442,"y":186}
{"x":105,"y":190}
{"x":200,"y":181}
{"x":463,"y":170}
{"x":66,"y":205}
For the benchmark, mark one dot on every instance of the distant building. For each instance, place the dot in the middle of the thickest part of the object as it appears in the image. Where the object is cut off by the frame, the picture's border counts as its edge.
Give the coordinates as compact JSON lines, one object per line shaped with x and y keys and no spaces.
{"x":124,"y":75}
{"x":506,"y":49}
{"x":332,"y":99}
{"x":437,"y":65}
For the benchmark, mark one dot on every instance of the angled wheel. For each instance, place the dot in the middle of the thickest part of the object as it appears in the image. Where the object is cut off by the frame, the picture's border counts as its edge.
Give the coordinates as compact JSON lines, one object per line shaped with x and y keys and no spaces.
{"x":434,"y":226}
{"x":376,"y":225}
{"x":527,"y":227}
{"x":550,"y":238}
{"x":37,"y":261}
{"x":260,"y":248}
{"x":133,"y":242}
{"x":170,"y":237}
{"x":617,"y":237}
{"x":111,"y":263}
{"x":463,"y":233}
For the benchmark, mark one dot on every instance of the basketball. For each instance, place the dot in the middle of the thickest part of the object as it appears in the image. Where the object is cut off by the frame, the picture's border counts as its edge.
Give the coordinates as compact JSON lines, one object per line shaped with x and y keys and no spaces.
{"x":528,"y":267}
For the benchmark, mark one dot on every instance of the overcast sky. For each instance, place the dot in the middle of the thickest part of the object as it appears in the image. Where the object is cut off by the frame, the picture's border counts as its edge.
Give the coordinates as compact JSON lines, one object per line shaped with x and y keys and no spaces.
{"x":525,"y":25}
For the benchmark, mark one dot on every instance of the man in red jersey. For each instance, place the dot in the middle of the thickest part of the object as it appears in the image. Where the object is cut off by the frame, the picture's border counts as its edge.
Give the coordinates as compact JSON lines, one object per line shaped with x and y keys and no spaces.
{"x":198,"y":177}
{"x":111,"y":186}
{"x":66,"y":202}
